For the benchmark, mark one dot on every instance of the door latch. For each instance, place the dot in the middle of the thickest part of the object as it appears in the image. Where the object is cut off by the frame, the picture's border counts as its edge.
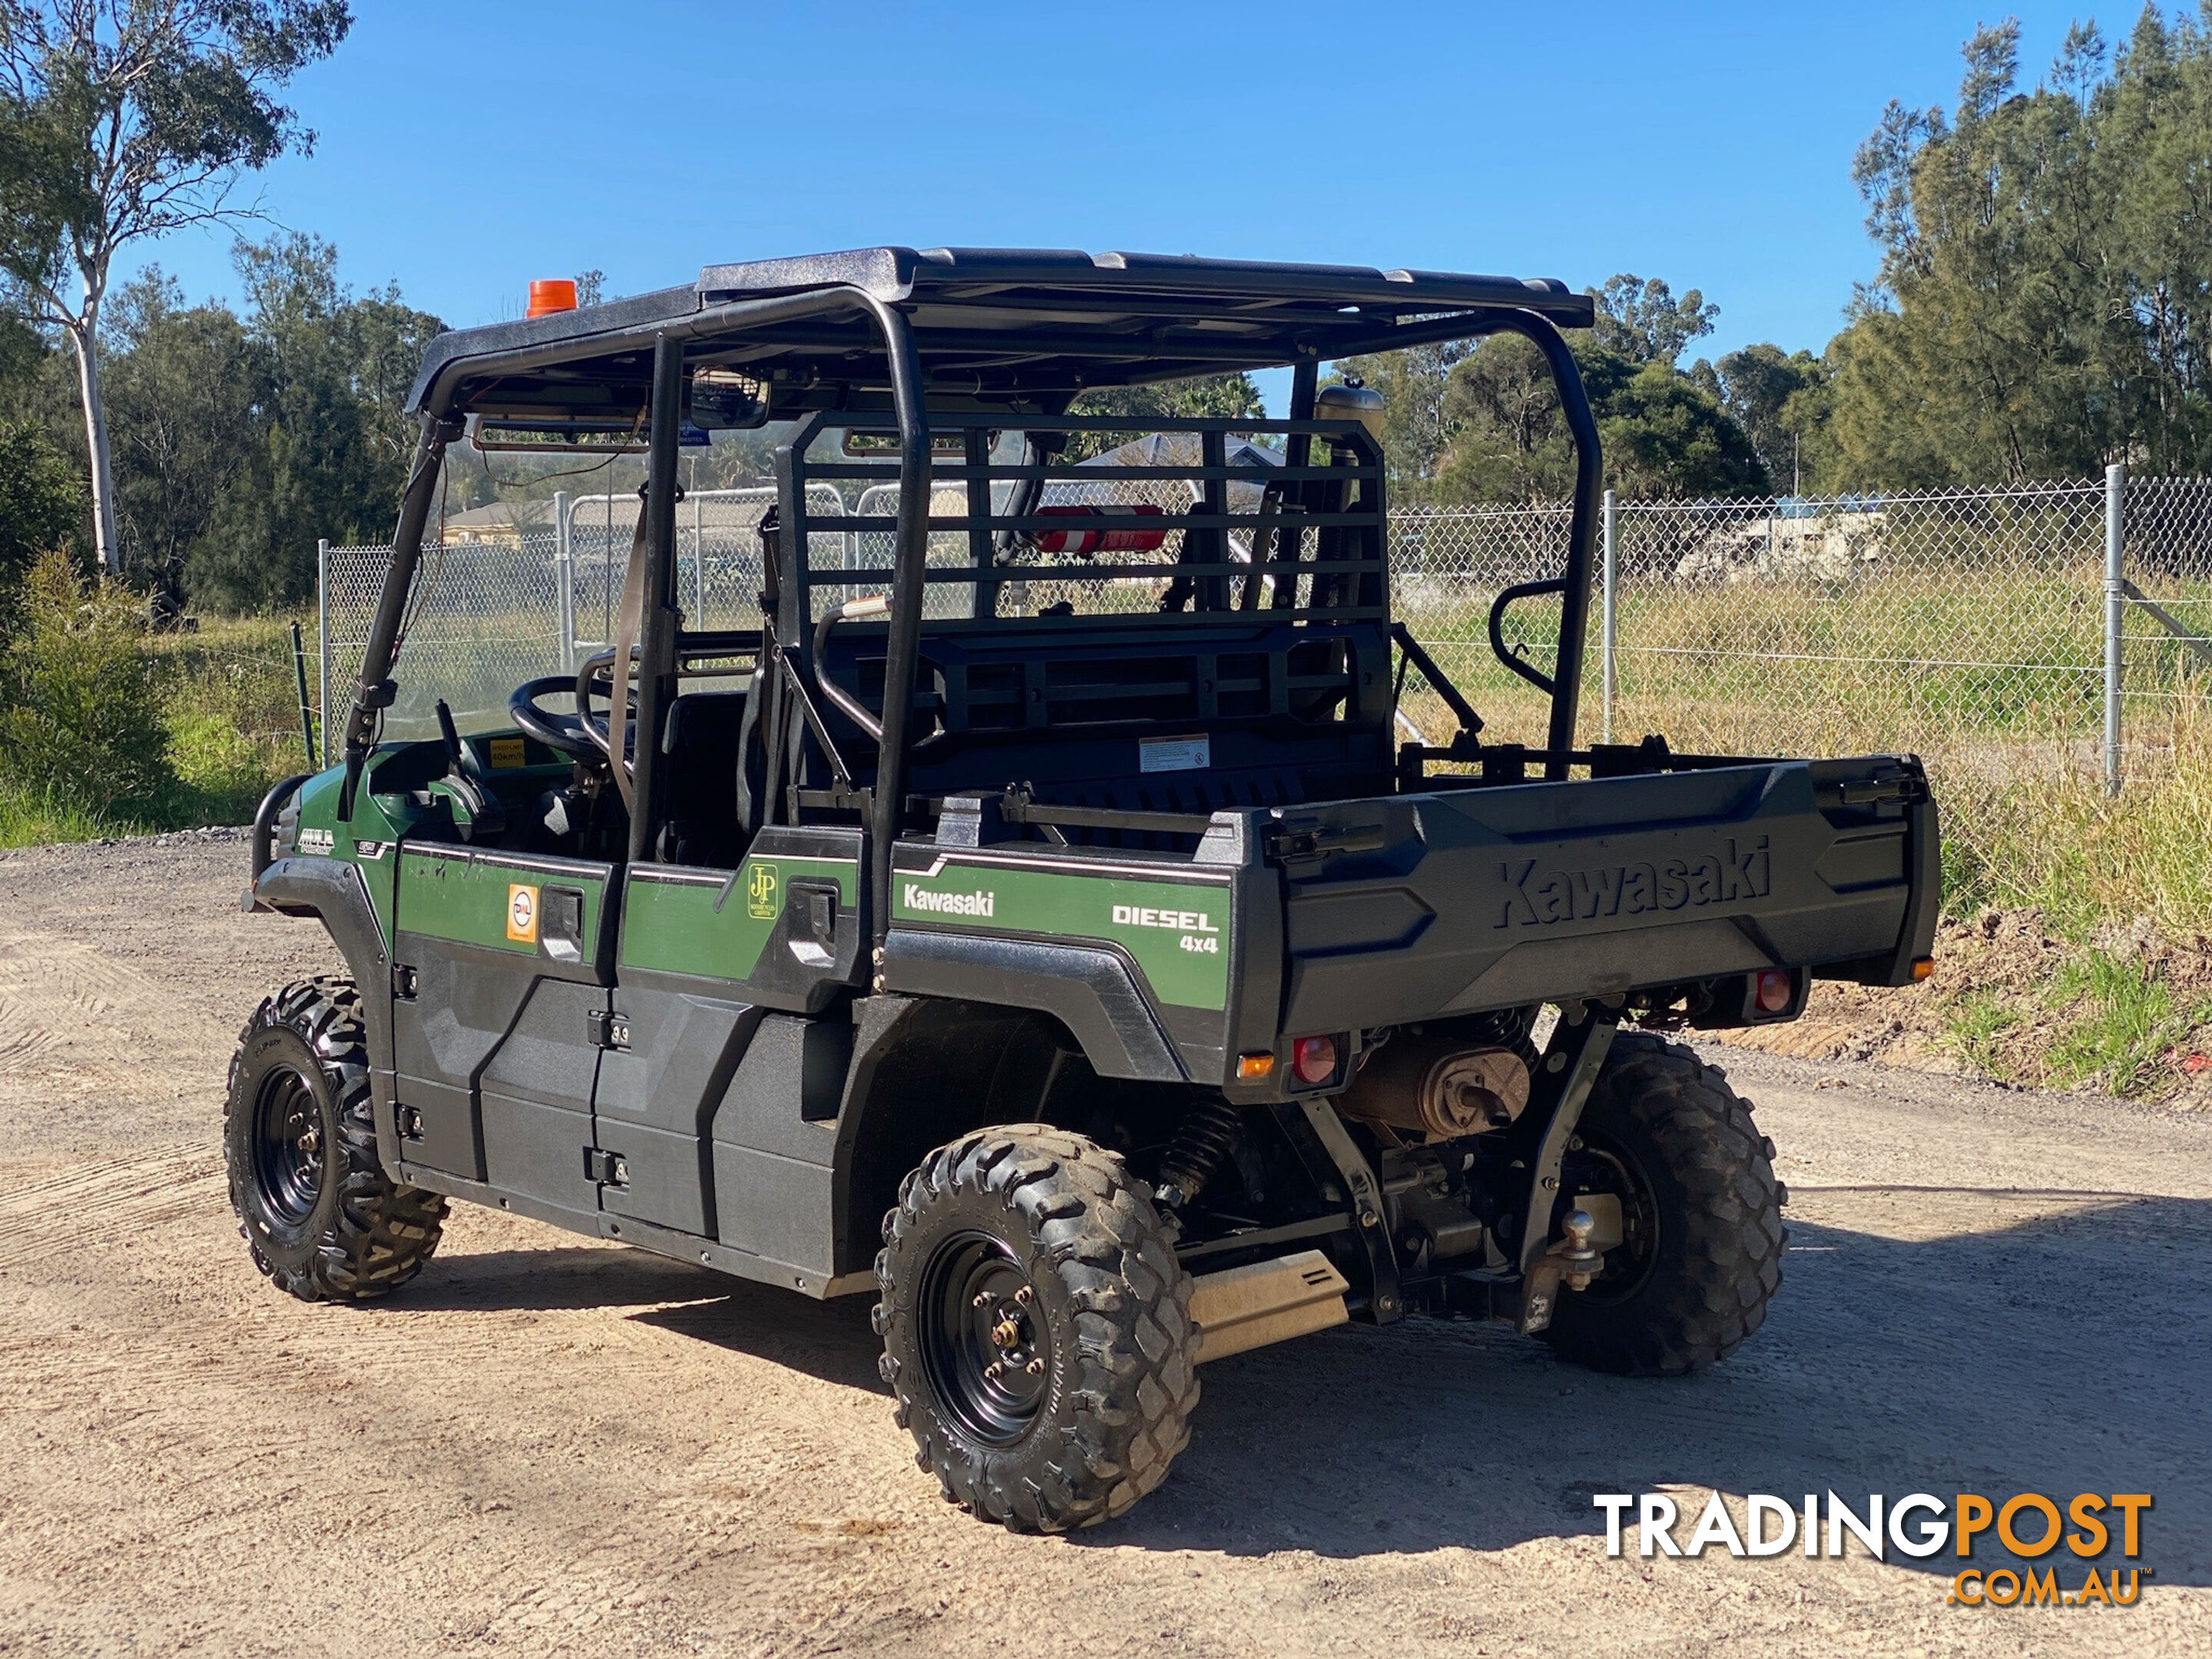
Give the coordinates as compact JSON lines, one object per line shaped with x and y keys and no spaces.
{"x":605,"y":1168}
{"x":811,"y":910}
{"x":1300,"y":839}
{"x":609,"y":1028}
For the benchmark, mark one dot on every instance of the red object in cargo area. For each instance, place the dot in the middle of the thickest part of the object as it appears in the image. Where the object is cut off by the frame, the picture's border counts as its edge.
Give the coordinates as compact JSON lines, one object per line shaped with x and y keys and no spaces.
{"x":552,"y":294}
{"x":1085,"y":542}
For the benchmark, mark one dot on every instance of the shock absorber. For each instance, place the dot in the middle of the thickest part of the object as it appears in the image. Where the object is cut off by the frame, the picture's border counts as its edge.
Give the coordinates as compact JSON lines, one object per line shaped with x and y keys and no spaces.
{"x":1205,"y":1137}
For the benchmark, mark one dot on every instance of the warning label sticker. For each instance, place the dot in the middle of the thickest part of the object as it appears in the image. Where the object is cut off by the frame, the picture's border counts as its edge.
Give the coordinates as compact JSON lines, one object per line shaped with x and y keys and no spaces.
{"x":522,"y":914}
{"x":1175,"y":754}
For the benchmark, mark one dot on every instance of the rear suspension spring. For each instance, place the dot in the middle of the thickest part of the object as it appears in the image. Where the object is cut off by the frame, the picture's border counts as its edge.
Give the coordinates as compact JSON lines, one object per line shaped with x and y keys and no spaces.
{"x":1206,"y":1136}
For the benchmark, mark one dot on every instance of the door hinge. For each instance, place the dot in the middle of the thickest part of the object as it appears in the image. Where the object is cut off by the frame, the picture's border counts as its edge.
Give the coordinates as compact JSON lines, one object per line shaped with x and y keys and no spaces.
{"x":403,"y":982}
{"x":605,"y":1168}
{"x":609,"y":1028}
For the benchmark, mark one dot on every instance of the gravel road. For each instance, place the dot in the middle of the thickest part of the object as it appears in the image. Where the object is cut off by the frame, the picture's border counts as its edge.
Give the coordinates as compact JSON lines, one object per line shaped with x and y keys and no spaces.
{"x":549,"y":1444}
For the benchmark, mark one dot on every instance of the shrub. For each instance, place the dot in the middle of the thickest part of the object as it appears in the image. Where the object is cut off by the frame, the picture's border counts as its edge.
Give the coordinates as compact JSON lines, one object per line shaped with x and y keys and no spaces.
{"x":39,"y":503}
{"x":80,"y":722}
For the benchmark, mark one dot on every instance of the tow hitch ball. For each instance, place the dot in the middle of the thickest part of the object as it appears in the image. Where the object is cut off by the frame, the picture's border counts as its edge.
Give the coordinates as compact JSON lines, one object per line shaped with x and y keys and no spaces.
{"x":1571,"y":1260}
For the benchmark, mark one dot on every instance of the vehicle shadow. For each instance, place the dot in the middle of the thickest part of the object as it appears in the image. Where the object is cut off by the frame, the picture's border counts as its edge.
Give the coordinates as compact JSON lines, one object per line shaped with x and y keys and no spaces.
{"x":2068,"y":1353}
{"x":831,"y":1340}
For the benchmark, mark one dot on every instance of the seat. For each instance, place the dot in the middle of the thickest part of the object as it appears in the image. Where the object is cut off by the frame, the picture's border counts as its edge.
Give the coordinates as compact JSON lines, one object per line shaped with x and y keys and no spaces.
{"x":700,"y":744}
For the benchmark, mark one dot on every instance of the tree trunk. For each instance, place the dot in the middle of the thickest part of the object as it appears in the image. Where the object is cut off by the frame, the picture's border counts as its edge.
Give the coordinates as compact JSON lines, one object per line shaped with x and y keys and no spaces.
{"x":95,"y":438}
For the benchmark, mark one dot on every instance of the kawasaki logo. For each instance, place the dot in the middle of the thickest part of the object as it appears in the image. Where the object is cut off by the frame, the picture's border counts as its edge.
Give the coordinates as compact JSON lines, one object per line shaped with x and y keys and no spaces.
{"x":1534,"y":897}
{"x":950,"y":904}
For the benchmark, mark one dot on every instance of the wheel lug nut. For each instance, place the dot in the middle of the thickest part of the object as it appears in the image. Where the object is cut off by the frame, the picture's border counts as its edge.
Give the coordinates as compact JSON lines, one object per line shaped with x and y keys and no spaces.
{"x":1025,"y":1296}
{"x":983,"y":1299}
{"x":1036,"y":1367}
{"x":994,"y":1370}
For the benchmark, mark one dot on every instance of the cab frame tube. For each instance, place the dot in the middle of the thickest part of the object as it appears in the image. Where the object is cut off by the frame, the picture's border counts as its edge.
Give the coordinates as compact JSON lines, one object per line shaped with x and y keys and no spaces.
{"x":909,"y":558}
{"x":1573,"y":584}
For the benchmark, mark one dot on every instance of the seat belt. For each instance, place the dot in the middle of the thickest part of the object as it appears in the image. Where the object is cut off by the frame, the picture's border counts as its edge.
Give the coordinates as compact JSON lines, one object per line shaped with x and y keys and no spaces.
{"x":627,"y":622}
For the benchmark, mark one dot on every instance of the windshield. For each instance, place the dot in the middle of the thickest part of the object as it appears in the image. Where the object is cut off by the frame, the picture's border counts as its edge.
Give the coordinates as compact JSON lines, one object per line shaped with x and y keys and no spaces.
{"x":522,"y":570}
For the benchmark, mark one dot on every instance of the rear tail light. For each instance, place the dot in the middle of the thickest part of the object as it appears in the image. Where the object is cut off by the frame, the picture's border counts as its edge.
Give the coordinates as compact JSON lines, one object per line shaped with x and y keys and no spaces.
{"x":1776,"y":989}
{"x":1313,"y":1060}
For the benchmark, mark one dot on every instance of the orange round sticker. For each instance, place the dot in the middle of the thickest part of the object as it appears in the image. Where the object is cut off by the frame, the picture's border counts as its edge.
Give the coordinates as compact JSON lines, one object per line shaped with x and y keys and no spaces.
{"x":522,"y":914}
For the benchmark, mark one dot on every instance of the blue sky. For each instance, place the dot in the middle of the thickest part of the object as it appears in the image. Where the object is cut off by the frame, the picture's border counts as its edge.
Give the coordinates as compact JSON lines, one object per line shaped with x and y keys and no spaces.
{"x":464,"y":149}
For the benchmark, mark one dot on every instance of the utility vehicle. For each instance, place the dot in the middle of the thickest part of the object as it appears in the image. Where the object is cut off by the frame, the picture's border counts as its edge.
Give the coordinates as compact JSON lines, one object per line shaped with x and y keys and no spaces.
{"x":1040,"y":919}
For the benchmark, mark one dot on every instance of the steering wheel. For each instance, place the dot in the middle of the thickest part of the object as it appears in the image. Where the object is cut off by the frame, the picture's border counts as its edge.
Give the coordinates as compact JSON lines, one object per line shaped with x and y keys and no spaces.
{"x":575,"y":734}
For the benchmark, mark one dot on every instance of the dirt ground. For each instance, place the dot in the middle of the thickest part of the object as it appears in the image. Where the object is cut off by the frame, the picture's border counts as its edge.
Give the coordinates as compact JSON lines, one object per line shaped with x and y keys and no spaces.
{"x":552,"y":1445}
{"x":2011,"y":959}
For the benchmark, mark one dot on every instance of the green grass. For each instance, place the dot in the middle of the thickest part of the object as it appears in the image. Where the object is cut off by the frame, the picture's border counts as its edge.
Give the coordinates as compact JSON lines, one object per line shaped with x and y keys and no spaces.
{"x":230,"y":708}
{"x":32,"y":821}
{"x":1980,"y":1019}
{"x":2124,"y":1020}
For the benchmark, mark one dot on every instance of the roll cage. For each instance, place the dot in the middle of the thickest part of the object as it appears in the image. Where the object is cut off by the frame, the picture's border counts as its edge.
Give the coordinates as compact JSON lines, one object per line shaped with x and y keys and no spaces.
{"x":944,"y":354}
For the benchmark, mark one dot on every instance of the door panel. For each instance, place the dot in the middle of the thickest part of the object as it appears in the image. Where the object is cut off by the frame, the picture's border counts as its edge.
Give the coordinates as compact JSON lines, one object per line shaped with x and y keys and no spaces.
{"x":656,"y":1102}
{"x":703,"y":955}
{"x":536,"y":1095}
{"x":787,"y":929}
{"x":478,"y":932}
{"x":774,"y":1148}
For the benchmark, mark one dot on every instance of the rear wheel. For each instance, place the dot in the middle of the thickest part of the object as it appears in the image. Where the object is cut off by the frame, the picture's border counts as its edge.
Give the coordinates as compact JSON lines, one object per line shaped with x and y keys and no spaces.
{"x":1037,"y":1329}
{"x":319,"y":1214}
{"x":1700,"y":1255}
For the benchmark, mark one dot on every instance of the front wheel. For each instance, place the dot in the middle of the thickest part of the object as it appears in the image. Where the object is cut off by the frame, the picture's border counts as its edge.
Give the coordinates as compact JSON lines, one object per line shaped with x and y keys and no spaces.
{"x":319,"y":1214}
{"x":1700,"y":1254}
{"x":1037,"y":1329}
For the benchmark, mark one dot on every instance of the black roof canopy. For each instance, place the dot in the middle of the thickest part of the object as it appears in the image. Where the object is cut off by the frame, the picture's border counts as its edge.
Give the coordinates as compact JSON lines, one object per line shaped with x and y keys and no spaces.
{"x":1024,"y":329}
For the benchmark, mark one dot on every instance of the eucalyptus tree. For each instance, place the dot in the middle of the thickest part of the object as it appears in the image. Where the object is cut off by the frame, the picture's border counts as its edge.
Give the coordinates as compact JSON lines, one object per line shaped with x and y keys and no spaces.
{"x":125,"y":120}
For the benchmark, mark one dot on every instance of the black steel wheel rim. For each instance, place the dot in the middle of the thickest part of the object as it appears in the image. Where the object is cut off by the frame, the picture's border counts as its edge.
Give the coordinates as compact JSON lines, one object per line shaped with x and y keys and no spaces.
{"x":985,"y":1349}
{"x":1601,"y":1166}
{"x":288,"y":1151}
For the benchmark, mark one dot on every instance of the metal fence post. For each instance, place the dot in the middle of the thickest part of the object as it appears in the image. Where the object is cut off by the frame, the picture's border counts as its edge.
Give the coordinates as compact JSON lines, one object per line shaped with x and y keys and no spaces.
{"x":698,"y":547}
{"x":564,"y":580}
{"x":1611,"y":579}
{"x":323,"y":637}
{"x":2115,"y":615}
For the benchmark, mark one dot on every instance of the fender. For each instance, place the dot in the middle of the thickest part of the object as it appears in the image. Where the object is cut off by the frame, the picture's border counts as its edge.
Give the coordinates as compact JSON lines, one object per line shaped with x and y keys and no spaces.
{"x":264,"y":820}
{"x":332,"y":891}
{"x":1089,"y":990}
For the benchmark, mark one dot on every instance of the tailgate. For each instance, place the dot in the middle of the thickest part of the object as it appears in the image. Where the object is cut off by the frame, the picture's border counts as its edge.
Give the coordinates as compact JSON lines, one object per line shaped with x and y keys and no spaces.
{"x":1488,"y":898}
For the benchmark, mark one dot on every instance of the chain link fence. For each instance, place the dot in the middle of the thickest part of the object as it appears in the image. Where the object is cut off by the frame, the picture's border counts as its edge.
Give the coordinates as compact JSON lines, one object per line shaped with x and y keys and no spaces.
{"x":2026,"y":627}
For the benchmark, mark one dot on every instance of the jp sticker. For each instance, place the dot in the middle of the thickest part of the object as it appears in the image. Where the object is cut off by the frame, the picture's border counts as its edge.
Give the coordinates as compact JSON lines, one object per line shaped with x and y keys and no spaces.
{"x":761,"y":885}
{"x":522,"y":914}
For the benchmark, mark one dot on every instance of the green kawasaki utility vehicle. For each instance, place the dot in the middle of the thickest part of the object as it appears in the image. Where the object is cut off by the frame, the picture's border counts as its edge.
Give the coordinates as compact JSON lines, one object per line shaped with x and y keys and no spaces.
{"x":1035,"y":920}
